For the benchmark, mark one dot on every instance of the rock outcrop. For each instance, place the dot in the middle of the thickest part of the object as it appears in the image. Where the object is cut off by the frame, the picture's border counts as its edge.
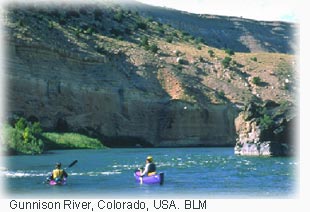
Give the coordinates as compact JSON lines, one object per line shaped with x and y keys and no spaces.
{"x":266,"y":131}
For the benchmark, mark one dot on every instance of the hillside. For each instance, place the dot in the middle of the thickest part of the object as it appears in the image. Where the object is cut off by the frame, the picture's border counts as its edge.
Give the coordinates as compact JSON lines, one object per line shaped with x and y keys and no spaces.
{"x":128,"y":79}
{"x":237,"y":33}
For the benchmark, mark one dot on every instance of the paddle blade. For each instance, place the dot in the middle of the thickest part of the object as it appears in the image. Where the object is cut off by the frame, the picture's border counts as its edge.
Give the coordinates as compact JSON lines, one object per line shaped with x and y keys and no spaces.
{"x":73,"y":163}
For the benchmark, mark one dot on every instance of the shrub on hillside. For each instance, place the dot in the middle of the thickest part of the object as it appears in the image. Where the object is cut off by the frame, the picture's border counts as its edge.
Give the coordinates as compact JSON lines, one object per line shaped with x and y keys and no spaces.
{"x":98,"y":14}
{"x":226,"y":62}
{"x":257,"y":80}
{"x":144,"y":41}
{"x":221,"y":94}
{"x":119,"y":16}
{"x":229,"y":52}
{"x":169,"y":39}
{"x":182,"y":61}
{"x":154,"y":48}
{"x":199,"y":40}
{"x":72,"y":14}
{"x":211,"y":53}
{"x":141,"y":24}
{"x":83,"y":11}
{"x":116,"y":32}
{"x":62,"y":21}
{"x":265,"y":121}
{"x":254,"y":59}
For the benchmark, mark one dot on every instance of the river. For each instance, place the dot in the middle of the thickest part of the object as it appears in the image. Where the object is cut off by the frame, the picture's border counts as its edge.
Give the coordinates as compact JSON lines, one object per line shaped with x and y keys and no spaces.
{"x":189,"y":172}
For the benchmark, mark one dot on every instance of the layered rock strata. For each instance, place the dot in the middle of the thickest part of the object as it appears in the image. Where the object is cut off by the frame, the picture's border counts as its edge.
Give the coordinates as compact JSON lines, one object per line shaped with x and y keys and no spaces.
{"x":97,"y":97}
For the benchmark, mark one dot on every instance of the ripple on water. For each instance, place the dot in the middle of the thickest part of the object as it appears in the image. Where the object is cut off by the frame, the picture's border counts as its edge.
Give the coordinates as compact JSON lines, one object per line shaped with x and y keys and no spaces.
{"x":19,"y":174}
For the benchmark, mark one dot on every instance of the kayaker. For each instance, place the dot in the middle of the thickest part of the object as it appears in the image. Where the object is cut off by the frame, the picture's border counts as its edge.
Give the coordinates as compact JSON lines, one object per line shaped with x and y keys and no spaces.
{"x":150,"y":167}
{"x":58,"y":173}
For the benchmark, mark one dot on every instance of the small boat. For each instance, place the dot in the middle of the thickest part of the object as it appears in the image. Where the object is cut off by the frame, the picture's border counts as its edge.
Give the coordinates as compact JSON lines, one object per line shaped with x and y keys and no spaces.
{"x":58,"y":182}
{"x":153,"y":179}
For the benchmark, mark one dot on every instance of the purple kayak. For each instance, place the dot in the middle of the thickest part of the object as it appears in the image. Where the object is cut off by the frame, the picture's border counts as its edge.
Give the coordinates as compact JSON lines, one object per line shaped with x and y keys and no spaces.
{"x":60,"y":182}
{"x":156,"y":178}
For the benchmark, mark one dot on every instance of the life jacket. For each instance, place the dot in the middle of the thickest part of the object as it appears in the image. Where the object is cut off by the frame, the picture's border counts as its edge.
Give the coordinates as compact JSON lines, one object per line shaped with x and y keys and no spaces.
{"x":151,"y":173}
{"x":58,"y":173}
{"x":152,"y":169}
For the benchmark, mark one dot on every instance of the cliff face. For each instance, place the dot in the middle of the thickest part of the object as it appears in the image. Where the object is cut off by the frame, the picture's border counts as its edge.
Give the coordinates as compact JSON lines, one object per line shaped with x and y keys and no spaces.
{"x":185,"y":125}
{"x":55,"y":90}
{"x":131,"y":81}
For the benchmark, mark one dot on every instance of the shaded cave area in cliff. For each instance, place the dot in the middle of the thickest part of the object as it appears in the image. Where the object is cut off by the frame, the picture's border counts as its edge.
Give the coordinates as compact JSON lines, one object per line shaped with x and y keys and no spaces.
{"x":285,"y":138}
{"x":123,"y":141}
{"x":126,"y":142}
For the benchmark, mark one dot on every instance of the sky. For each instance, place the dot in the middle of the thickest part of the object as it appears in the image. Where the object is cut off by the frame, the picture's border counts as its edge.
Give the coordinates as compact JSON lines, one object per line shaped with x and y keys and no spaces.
{"x":265,"y":10}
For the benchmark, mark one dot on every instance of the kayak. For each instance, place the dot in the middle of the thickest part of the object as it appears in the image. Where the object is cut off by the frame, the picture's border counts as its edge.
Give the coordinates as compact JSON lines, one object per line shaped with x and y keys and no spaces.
{"x":153,"y":179}
{"x":58,"y":182}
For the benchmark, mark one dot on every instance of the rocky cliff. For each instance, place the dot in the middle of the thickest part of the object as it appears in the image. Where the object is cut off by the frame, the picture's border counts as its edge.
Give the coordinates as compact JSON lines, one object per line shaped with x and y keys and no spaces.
{"x":266,"y":130}
{"x":131,"y":81}
{"x":56,"y":91}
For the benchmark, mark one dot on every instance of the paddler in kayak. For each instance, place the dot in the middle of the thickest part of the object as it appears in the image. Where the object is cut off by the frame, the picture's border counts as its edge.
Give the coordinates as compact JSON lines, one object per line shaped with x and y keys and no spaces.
{"x":150,"y":167}
{"x":58,"y":173}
